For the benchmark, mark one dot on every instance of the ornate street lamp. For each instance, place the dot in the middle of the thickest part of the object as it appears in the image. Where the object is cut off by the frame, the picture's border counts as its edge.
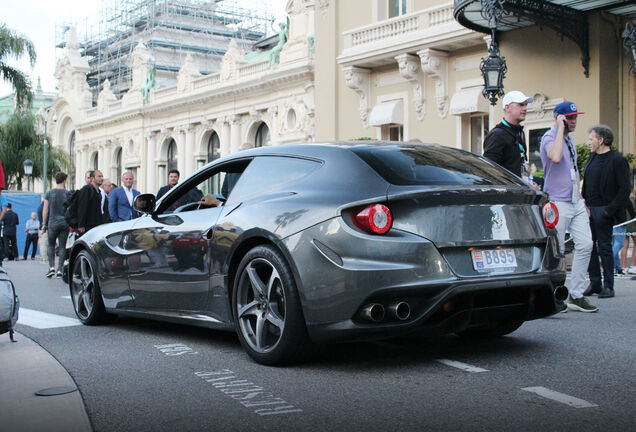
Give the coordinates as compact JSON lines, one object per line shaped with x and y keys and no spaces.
{"x":493,"y":68}
{"x":28,"y":170}
{"x":629,"y":42}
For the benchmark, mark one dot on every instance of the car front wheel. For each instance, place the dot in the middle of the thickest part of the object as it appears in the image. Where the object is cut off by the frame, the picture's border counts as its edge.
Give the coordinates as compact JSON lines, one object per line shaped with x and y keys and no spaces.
{"x":266,"y":307}
{"x":85,"y":292}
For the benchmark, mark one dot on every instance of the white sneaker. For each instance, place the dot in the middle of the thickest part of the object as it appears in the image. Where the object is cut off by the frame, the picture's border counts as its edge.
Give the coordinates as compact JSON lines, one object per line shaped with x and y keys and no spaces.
{"x":631,"y":270}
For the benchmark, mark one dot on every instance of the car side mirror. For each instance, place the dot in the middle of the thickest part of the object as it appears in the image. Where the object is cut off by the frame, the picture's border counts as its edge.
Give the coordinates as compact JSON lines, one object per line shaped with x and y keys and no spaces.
{"x":145,"y":203}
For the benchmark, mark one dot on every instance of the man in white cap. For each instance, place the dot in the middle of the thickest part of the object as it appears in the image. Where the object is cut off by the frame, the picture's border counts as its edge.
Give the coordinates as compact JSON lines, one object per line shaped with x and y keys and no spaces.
{"x":505,"y":144}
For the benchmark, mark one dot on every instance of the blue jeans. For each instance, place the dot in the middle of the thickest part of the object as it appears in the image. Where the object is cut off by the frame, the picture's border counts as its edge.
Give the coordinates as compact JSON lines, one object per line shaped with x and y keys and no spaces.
{"x":601,"y":225}
{"x":618,"y":242}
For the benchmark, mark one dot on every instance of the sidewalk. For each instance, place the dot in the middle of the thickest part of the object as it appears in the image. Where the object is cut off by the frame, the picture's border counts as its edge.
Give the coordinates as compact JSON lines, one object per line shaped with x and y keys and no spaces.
{"x":26,"y":368}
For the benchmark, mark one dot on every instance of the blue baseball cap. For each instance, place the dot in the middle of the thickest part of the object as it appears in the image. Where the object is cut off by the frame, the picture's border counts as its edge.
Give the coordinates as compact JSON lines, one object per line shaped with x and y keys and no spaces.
{"x":566,"y":108}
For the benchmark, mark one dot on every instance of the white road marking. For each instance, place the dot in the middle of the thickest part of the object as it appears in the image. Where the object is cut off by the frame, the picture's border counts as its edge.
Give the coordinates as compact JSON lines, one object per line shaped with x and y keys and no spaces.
{"x":44,"y":320}
{"x":463,"y":366}
{"x":560,"y":397}
{"x":175,"y":349}
{"x":66,"y":297}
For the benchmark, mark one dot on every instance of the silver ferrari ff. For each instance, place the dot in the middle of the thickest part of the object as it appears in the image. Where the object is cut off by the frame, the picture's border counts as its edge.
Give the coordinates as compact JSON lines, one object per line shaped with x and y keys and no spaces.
{"x":330,"y":242}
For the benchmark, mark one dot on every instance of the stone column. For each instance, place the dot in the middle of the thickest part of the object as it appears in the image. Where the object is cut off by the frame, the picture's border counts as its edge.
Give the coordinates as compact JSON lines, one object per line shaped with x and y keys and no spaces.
{"x":235,"y":133}
{"x":189,"y":150}
{"x":225,"y":138}
{"x":181,"y":153}
{"x":151,"y":163}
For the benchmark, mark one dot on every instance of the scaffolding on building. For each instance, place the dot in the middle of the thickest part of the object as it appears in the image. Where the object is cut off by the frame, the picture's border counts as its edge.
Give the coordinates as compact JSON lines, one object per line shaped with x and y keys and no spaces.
{"x":171,"y":29}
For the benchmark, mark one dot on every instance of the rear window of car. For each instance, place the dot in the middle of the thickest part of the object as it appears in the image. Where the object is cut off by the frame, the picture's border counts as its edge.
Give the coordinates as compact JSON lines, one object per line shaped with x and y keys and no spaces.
{"x":432,"y":165}
{"x":267,"y":173}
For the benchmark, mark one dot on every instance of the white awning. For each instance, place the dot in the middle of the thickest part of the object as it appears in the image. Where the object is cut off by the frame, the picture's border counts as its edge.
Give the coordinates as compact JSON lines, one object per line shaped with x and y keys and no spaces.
{"x":391,"y":112}
{"x":467,"y":101}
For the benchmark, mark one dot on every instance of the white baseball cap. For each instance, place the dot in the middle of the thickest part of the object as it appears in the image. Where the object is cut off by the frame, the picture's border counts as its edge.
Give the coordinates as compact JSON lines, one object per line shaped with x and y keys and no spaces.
{"x":515,"y":96}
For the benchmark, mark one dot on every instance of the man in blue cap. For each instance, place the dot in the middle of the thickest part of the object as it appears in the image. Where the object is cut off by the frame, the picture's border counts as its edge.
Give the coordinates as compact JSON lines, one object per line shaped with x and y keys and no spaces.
{"x":561,"y":183}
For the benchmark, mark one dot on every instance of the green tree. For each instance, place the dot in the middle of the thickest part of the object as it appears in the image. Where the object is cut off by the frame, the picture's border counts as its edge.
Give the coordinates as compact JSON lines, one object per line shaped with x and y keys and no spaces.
{"x":14,"y":46}
{"x":19,"y":140}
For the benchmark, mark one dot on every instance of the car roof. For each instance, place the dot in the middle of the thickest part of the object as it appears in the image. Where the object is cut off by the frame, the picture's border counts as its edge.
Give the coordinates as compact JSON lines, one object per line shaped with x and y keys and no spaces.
{"x":323,"y":149}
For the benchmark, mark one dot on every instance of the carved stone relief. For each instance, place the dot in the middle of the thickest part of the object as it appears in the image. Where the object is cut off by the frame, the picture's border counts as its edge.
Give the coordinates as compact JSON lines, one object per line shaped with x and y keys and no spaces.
{"x":411,"y":71}
{"x":435,"y":64}
{"x":187,"y":74}
{"x":358,"y":79}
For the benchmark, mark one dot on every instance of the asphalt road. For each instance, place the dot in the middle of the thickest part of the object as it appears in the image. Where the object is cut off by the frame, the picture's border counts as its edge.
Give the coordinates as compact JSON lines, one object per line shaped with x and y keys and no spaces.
{"x":574,"y":371}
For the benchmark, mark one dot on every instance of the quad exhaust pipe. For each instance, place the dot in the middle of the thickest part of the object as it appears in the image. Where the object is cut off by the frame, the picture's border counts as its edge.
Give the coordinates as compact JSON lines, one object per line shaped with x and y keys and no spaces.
{"x":400,"y":310}
{"x":561,"y":293}
{"x":375,"y":312}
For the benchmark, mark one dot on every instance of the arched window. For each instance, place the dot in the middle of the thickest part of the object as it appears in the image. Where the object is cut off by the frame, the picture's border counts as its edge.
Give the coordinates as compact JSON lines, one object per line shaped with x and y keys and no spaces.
{"x":172,"y":155}
{"x":95,"y":164}
{"x":71,"y":152}
{"x":214,"y":147}
{"x":118,"y":163}
{"x":262,"y":136}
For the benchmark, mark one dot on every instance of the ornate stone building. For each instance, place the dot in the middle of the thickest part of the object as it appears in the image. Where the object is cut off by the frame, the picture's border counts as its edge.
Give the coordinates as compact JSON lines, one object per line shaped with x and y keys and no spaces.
{"x":389,"y":69}
{"x":193,"y":121}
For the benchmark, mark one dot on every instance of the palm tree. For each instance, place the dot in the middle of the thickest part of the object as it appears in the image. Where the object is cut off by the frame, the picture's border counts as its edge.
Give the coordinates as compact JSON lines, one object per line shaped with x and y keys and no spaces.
{"x":12,"y":45}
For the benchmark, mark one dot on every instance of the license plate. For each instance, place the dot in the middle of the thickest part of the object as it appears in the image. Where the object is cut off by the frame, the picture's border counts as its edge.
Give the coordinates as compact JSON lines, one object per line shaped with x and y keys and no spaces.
{"x":486,"y":259}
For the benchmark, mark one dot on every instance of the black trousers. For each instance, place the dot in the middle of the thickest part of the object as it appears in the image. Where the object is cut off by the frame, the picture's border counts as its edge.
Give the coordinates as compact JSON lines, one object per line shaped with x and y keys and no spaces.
{"x":31,"y":239}
{"x":10,"y":246}
{"x":601,"y":226}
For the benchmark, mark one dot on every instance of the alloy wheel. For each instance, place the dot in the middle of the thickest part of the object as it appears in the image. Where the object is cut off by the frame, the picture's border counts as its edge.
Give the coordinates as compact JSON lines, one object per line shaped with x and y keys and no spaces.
{"x":83,"y":287}
{"x":260,"y":306}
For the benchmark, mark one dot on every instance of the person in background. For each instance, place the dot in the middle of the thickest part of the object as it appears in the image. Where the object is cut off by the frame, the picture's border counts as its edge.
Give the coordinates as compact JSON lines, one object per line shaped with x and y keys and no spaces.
{"x":630,"y":234}
{"x":3,"y":204}
{"x":10,"y":221}
{"x":32,"y":230}
{"x":606,"y":192}
{"x":173,"y":179}
{"x":89,"y":214}
{"x":105,"y":189}
{"x":121,"y":200}
{"x":561,"y":183}
{"x":620,"y":242}
{"x":505,"y":144}
{"x":88,"y":177}
{"x":55,"y":225}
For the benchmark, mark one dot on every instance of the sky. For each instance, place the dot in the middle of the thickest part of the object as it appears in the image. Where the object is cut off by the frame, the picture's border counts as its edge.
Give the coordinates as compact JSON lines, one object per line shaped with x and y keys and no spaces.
{"x":36,"y":20}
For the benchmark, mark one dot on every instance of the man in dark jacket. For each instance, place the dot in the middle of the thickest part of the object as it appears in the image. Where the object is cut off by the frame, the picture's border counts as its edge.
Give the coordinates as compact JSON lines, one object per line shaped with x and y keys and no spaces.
{"x":505,"y":144}
{"x":11,"y":221}
{"x":606,"y":191}
{"x":89,"y":202}
{"x":173,"y":179}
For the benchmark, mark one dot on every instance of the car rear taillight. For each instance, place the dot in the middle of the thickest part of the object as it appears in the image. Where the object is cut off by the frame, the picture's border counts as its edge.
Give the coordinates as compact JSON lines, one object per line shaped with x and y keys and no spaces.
{"x":375,"y":218}
{"x":550,"y":214}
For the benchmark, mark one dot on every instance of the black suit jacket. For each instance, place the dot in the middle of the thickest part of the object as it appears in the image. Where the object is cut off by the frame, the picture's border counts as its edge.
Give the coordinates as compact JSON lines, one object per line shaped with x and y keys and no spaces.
{"x":162,"y":191}
{"x":89,"y":213}
{"x":614,"y":185}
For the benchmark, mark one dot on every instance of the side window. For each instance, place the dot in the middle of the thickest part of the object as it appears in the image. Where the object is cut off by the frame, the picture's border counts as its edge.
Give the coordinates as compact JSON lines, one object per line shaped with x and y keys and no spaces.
{"x":268,"y":173}
{"x":218,"y":181}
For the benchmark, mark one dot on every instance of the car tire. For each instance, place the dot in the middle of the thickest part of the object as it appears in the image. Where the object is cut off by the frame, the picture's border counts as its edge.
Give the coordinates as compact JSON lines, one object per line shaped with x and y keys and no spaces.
{"x":490,"y":331}
{"x":266,"y":308}
{"x":85,"y":292}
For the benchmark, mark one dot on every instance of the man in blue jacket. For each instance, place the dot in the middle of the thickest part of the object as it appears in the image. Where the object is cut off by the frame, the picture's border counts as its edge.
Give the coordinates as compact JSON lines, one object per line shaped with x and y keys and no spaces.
{"x":120,"y":201}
